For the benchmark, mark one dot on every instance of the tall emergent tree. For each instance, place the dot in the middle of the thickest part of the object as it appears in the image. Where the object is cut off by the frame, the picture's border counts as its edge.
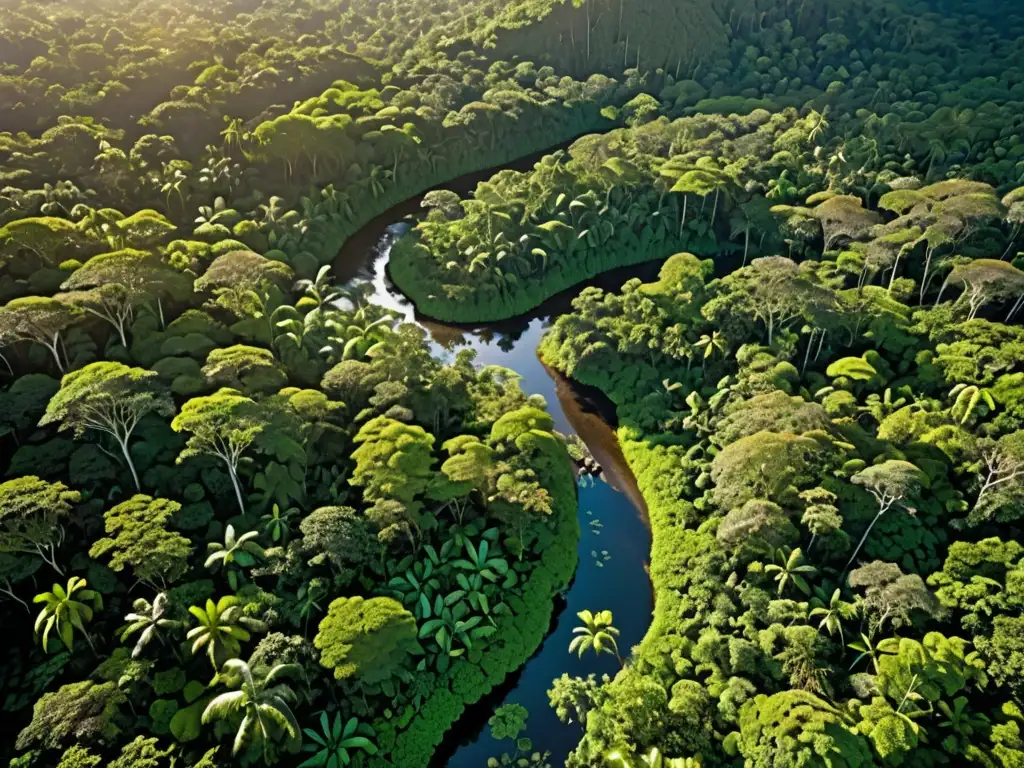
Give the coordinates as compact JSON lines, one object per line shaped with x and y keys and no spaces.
{"x":224,"y":425}
{"x":32,"y":512}
{"x":40,"y":320}
{"x":111,"y":398}
{"x":113,"y":286}
{"x":890,"y":482}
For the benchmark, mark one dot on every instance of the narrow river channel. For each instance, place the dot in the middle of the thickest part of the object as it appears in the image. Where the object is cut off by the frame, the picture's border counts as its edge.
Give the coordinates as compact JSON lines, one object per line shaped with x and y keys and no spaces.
{"x":615,"y":541}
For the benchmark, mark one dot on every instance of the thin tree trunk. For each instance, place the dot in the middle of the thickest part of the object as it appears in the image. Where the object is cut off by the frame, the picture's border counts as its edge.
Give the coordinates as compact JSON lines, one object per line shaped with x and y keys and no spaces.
{"x":1015,"y":308}
{"x":924,"y":278}
{"x":234,"y":482}
{"x":807,"y":353}
{"x":131,"y":464}
{"x":863,"y":538}
{"x":1009,"y":245}
{"x":892,"y":277}
{"x":820,"y":342}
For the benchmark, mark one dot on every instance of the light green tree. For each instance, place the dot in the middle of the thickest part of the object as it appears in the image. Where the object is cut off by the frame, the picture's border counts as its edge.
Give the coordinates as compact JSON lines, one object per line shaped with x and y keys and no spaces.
{"x":110,"y":398}
{"x":32,"y":514}
{"x":224,"y":425}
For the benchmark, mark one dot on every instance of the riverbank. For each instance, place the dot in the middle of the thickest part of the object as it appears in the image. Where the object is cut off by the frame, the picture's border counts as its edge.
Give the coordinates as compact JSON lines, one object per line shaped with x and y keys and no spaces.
{"x":575,"y":268}
{"x":613,"y":541}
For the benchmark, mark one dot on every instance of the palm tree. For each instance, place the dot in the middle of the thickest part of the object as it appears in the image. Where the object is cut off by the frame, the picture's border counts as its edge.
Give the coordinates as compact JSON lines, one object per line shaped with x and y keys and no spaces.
{"x":709,"y":345}
{"x":222,"y":628}
{"x":332,"y":743}
{"x":871,"y":651}
{"x":263,"y":699}
{"x":232,"y":133}
{"x":832,"y":613}
{"x":67,"y":609}
{"x":148,"y":618}
{"x":277,"y":524}
{"x":597,"y":634}
{"x":790,"y":567}
{"x":238,"y":551}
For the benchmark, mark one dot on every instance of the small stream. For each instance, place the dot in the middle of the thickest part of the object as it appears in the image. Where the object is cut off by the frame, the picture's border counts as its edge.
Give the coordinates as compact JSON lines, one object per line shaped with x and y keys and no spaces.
{"x":615,"y":541}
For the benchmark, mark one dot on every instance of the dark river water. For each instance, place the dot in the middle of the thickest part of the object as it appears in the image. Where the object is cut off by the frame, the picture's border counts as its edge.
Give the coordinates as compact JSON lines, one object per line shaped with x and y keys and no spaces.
{"x":615,"y":541}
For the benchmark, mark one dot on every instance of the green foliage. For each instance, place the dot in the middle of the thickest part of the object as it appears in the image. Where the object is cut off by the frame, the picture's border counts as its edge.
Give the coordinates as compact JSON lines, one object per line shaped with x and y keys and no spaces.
{"x":65,"y":611}
{"x":366,"y":639}
{"x":508,"y":721}
{"x":140,"y":540}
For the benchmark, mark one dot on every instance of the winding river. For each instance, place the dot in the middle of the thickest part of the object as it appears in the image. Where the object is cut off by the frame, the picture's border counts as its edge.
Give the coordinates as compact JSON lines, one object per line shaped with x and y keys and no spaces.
{"x":614,"y":541}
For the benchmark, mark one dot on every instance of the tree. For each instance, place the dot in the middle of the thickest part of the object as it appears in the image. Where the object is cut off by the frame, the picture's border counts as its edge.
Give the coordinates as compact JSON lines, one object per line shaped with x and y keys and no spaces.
{"x":393,"y":462}
{"x":597,"y":634}
{"x":798,"y":728}
{"x":235,"y":553}
{"x":250,"y":370}
{"x":789,"y":566}
{"x":508,"y":721}
{"x":112,"y":286}
{"x":984,"y":281}
{"x":366,"y":640}
{"x":757,"y":527}
{"x":821,"y":515}
{"x":891,"y":596}
{"x":111,"y":398}
{"x":575,"y":697}
{"x":264,"y":700}
{"x":760,"y":466}
{"x":32,"y":512}
{"x":149,"y":621}
{"x":780,"y":293}
{"x":138,"y":538}
{"x":339,"y":535}
{"x":1003,"y":475}
{"x":237,"y":272}
{"x":332,"y":743}
{"x":67,"y":609}
{"x":222,"y":628}
{"x":803,"y":659}
{"x":468,"y":470}
{"x":45,"y":237}
{"x":844,"y":217}
{"x":143,"y":752}
{"x":224,"y":425}
{"x":39,"y":320}
{"x":85,"y":711}
{"x":890,"y":482}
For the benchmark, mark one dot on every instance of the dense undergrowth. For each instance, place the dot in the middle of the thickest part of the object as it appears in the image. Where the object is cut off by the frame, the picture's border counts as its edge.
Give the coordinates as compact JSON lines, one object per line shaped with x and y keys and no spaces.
{"x":835,"y":512}
{"x":875,"y":105}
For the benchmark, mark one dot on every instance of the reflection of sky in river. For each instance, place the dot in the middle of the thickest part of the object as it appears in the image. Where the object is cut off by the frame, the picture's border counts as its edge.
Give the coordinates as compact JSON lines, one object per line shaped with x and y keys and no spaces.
{"x":614,"y":542}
